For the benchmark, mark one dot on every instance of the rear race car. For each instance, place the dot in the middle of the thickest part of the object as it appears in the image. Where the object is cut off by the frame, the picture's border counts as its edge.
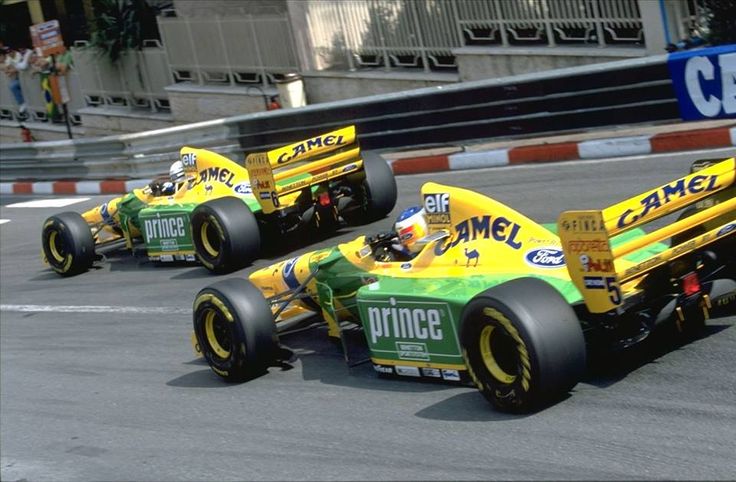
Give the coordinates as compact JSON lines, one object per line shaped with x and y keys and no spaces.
{"x":493,"y":298}
{"x":220,"y":214}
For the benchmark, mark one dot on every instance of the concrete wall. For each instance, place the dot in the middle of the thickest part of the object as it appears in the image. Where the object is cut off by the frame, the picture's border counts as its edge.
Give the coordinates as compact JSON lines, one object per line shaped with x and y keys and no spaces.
{"x":190,"y":103}
{"x":106,"y":121}
{"x":328,"y":86}
{"x":476,"y":63}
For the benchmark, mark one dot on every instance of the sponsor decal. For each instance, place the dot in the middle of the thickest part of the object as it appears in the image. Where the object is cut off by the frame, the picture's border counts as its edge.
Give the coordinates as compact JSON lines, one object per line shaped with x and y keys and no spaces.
{"x":306,"y":146}
{"x":452,"y":375}
{"x":364,"y":251}
{"x":166,"y":258}
{"x":643,"y":265}
{"x":407,"y":371}
{"x":726,"y":229}
{"x":216,"y":174}
{"x":265,"y":195}
{"x":705,"y":82}
{"x":584,"y":224}
{"x":169,"y":245}
{"x":106,"y":216}
{"x":243,"y":188}
{"x":594,"y":282}
{"x":481,"y":227}
{"x":405,"y":266}
{"x":262,"y":184}
{"x":545,"y":258}
{"x":595,"y":264}
{"x":431,"y":372}
{"x":161,"y":228}
{"x":189,"y":160}
{"x":534,"y":240}
{"x":383,"y":369}
{"x":726,"y":299}
{"x":473,"y":255}
{"x":404,"y":320}
{"x":589,"y":245}
{"x":665,"y":194}
{"x":259,"y":171}
{"x":287,"y":273}
{"x":437,"y":208}
{"x":350,"y":167}
{"x":208,"y":189}
{"x":412,"y":351}
{"x":190,"y":257}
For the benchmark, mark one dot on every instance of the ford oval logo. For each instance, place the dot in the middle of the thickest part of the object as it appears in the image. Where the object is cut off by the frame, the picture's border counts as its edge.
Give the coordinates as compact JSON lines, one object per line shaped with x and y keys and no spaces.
{"x":726,"y":229}
{"x":545,"y":258}
{"x":243,"y":188}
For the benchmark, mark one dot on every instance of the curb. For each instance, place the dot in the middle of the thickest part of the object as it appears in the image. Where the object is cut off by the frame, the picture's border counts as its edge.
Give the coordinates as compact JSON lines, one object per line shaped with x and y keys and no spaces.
{"x":571,"y":151}
{"x":548,"y":152}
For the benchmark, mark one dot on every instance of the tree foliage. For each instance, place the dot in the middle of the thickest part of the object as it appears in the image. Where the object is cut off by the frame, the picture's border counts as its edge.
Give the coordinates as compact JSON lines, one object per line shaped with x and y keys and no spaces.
{"x":721,"y":21}
{"x":121,"y":25}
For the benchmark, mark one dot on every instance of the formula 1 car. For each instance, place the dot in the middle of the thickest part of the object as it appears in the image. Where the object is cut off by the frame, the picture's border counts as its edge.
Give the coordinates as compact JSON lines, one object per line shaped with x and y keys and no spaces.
{"x":220,"y":213}
{"x":494,"y":298}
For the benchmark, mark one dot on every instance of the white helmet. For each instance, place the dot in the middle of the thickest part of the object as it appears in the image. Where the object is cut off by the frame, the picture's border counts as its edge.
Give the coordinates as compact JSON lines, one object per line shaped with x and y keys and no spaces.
{"x":176,"y":172}
{"x":410,"y":227}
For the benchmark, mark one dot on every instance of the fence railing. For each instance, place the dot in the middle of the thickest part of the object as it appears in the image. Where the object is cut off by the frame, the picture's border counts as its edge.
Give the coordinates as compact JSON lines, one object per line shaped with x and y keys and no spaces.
{"x":422,"y":33}
{"x":615,"y":93}
{"x":138,"y":82}
{"x":228,"y":50}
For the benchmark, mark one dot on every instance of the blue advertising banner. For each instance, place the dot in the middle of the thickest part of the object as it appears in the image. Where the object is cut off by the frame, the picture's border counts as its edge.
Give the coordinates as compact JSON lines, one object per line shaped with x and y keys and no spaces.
{"x":705,"y":82}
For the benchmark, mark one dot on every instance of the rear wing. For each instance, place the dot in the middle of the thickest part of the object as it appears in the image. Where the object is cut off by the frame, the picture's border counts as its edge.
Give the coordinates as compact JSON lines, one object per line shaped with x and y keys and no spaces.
{"x":328,"y":156}
{"x":596,"y":268}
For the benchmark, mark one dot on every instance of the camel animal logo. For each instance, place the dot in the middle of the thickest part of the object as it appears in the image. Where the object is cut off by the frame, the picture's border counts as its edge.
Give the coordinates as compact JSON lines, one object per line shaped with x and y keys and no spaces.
{"x":208,"y":189}
{"x":472,"y":254}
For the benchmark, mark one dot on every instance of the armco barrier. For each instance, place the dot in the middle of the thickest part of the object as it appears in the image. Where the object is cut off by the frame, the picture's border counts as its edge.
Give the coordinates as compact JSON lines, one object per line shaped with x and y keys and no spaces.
{"x":606,"y":94}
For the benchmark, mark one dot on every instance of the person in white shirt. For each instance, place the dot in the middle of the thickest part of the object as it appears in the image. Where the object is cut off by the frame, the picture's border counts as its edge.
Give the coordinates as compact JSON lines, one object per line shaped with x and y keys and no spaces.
{"x":13,"y":62}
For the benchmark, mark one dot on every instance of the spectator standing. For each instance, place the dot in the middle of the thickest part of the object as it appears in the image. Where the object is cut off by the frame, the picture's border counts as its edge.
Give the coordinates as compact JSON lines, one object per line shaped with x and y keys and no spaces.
{"x":17,"y":61}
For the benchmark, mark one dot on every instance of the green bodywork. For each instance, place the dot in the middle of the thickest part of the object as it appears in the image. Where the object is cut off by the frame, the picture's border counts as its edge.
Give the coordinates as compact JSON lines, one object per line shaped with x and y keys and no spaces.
{"x":416,"y":321}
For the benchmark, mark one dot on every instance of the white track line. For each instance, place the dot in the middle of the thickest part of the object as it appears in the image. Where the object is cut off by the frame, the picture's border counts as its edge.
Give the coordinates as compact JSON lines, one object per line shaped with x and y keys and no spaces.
{"x":93,"y":309}
{"x":49,"y":203}
{"x":3,"y":221}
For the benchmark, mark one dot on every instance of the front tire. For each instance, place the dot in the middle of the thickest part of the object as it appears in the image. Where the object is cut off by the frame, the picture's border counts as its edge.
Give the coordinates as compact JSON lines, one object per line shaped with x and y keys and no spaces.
{"x":68,"y":244}
{"x":522,"y":344}
{"x":234,"y":329}
{"x":225,"y":235}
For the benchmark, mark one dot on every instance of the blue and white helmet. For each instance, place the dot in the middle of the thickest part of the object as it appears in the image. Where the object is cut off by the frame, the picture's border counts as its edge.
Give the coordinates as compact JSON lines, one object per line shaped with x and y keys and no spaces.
{"x":411,"y":226}
{"x":176,"y":172}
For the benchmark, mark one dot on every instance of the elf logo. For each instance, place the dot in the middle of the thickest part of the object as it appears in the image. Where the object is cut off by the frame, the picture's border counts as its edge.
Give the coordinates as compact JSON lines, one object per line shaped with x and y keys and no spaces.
{"x":399,"y":320}
{"x":437,"y":208}
{"x":189,"y":160}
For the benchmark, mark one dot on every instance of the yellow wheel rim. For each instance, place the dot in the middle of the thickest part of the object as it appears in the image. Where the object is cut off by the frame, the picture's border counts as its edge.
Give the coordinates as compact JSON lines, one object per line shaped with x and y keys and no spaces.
{"x":52,"y":246}
{"x":489,"y":360}
{"x":206,"y":240}
{"x":212,"y":341}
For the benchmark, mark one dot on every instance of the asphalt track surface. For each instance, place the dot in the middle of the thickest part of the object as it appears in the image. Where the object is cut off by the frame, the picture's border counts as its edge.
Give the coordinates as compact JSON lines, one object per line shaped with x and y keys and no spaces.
{"x":99,"y":382}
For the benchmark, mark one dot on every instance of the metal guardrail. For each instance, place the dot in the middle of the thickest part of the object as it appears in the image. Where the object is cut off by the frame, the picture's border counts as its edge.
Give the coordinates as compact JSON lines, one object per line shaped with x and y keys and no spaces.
{"x":615,"y":93}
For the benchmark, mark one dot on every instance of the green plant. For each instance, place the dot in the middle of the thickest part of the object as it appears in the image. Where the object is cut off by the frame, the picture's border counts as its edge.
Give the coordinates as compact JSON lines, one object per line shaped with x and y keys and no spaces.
{"x":121,"y":25}
{"x":721,"y":16}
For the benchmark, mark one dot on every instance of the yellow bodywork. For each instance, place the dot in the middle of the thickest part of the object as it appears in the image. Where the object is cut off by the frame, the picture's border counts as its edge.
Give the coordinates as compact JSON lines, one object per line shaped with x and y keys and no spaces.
{"x":602,"y":274}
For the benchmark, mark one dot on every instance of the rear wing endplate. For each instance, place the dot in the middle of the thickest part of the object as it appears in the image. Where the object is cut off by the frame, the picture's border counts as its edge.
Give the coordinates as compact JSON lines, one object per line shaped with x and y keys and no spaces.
{"x":595,"y":266}
{"x":310,"y":162}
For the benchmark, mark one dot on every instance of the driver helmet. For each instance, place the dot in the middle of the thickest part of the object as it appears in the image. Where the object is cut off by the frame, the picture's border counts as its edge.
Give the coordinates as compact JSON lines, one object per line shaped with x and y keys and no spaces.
{"x":411,"y":226}
{"x":176,"y":172}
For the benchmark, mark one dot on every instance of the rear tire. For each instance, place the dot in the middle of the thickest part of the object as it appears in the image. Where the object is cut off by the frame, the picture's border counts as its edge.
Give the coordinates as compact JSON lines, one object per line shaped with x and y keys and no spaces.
{"x":376,"y":194}
{"x":68,"y":244}
{"x":234,"y":329}
{"x":522,"y":344}
{"x":225,"y":235}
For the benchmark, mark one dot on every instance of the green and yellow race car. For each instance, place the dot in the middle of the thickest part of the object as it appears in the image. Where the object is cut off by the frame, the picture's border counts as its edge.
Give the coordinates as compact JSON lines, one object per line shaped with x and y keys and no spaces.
{"x":494,"y":298}
{"x":221,"y":210}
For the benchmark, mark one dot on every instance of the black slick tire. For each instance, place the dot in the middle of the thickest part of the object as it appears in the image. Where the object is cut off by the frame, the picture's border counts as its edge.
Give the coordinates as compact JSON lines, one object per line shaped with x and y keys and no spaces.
{"x":376,"y":194}
{"x":225,"y":234}
{"x":234,"y":329}
{"x":522,"y":344}
{"x":68,"y":244}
